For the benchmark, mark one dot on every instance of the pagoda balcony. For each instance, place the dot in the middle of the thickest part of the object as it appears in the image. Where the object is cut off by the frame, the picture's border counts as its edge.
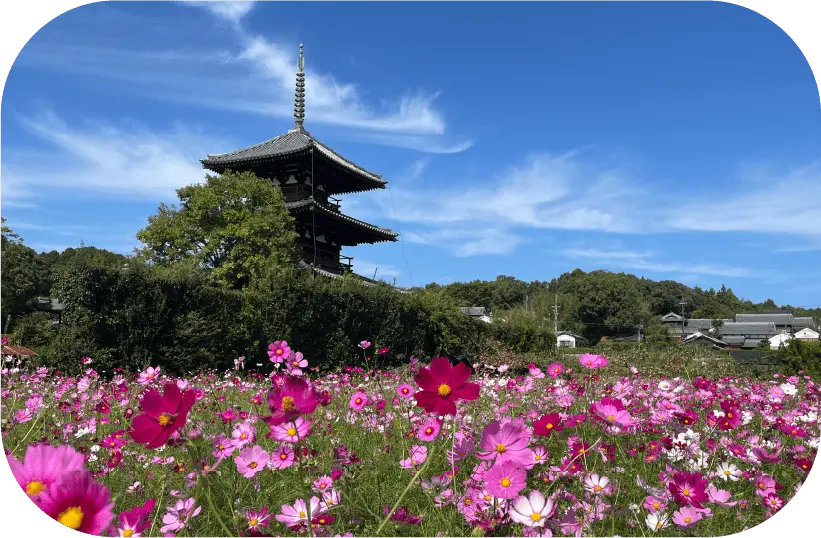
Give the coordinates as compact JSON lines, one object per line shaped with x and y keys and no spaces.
{"x":327,"y":259}
{"x":296,"y":193}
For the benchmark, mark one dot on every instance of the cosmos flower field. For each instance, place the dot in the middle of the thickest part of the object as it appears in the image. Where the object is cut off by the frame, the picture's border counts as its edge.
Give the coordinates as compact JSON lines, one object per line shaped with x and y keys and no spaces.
{"x":428,"y":449}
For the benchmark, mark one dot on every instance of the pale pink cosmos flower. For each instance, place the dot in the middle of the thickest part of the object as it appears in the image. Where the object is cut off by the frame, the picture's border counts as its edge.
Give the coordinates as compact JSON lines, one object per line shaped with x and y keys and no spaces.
{"x":364,"y":344}
{"x":405,"y":391}
{"x":297,"y":514}
{"x":258,"y":519}
{"x":296,"y":363}
{"x":540,"y":455}
{"x":418,"y":455}
{"x":243,"y":434}
{"x":179,"y":515}
{"x":149,"y":375}
{"x":588,"y":360}
{"x":282,"y":457}
{"x":719,"y":496}
{"x":686,"y":516}
{"x":618,"y":418}
{"x":251,"y":461}
{"x":533,"y":510}
{"x":291,"y":432}
{"x":323,"y":483}
{"x":223,"y":446}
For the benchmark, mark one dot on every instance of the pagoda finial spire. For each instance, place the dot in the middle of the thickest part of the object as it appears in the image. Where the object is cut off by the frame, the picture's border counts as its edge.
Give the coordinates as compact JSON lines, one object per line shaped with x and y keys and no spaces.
{"x":299,"y":99}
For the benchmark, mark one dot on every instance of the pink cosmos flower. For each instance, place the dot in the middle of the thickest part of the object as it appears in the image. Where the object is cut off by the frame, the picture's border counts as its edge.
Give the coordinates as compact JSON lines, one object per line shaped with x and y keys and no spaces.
{"x":618,"y":418}
{"x":555,"y":370}
{"x":223,"y":446}
{"x":536,"y":372}
{"x":243,"y":434}
{"x":251,"y":461}
{"x":149,"y":375}
{"x":44,"y":467}
{"x":686,"y":516}
{"x":279,"y":351}
{"x":655,"y":504}
{"x":503,"y":443}
{"x":358,"y":401}
{"x":323,"y":483}
{"x":532,"y":511}
{"x":418,"y":455}
{"x":258,"y":519}
{"x":133,"y":522}
{"x":598,"y":485}
{"x":282,"y":457}
{"x":296,"y":363}
{"x":505,"y":480}
{"x":364,"y":344}
{"x":593,"y":362}
{"x":429,"y":429}
{"x":291,"y":432}
{"x":773,"y":502}
{"x":540,"y":455}
{"x":79,"y":503}
{"x":689,"y":489}
{"x":179,"y":515}
{"x":404,"y":391}
{"x":765,"y":485}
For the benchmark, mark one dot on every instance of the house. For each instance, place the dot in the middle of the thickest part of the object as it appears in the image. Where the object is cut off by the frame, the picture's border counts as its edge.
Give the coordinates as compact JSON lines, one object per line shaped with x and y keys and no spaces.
{"x":477,"y":312}
{"x":804,"y":323}
{"x":16,"y":353}
{"x":780,"y":340}
{"x":783,"y":320}
{"x":569,"y":339}
{"x":747,"y":335}
{"x":807,"y":335}
{"x":705,"y":340}
{"x":674,"y":323}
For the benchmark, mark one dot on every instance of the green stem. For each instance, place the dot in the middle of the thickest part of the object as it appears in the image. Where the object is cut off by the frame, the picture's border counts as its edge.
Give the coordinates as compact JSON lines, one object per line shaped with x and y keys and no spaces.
{"x":407,"y":489}
{"x":214,"y":508}
{"x":159,"y":507}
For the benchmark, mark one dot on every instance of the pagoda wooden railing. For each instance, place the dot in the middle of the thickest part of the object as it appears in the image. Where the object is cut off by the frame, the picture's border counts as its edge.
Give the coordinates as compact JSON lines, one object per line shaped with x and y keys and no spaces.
{"x":327,"y":259}
{"x":295,"y":193}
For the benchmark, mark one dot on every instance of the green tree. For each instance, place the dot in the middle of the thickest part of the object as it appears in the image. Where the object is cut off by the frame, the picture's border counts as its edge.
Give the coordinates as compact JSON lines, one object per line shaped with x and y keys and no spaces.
{"x":19,"y":274}
{"x":235,"y":225}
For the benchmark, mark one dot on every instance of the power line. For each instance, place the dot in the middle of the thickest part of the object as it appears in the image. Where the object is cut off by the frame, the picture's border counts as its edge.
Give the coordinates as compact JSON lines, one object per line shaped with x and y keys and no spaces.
{"x":401,"y":237}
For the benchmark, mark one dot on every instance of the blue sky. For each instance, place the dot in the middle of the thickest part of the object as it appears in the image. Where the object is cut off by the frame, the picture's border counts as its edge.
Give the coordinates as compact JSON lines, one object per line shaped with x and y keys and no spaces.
{"x":674,"y":141}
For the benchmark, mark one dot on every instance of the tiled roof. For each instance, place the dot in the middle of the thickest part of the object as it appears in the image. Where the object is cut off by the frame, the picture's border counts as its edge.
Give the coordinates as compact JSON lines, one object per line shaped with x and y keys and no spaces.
{"x":736,"y":328}
{"x":302,"y":205}
{"x":778,"y":319}
{"x":291,"y":143}
{"x":733,"y":340}
{"x":473,"y":310}
{"x":802,"y":322}
{"x":19,"y":351}
{"x":672,"y":316}
{"x":751,"y":342}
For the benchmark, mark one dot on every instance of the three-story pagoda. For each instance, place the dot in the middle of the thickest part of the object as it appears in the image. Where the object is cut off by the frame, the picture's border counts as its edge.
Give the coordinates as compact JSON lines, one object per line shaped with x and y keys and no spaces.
{"x":310,"y":175}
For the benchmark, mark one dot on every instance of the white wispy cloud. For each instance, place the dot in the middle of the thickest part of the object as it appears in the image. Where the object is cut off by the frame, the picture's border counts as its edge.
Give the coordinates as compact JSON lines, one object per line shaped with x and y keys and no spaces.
{"x":466,"y":242}
{"x":366,"y":268}
{"x":104,"y":159}
{"x":230,"y":11}
{"x":648,"y":261}
{"x":255,"y":74}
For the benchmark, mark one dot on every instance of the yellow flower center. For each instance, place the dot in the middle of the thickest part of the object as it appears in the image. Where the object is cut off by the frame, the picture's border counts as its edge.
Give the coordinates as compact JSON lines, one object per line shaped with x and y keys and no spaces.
{"x":685,"y":492}
{"x":538,"y":457}
{"x":279,"y":352}
{"x":505,"y":482}
{"x":164,"y":419}
{"x":283,"y":456}
{"x":291,"y":431}
{"x":762,"y":485}
{"x":468,"y":501}
{"x":35,"y":487}
{"x":128,"y":532}
{"x":244,"y":436}
{"x":358,"y":401}
{"x":550,"y":426}
{"x":536,"y":517}
{"x":254,"y":522}
{"x":687,"y":520}
{"x":487,"y":497}
{"x":611,"y":417}
{"x":71,"y":517}
{"x":429,"y":431}
{"x":656,"y":506}
{"x":500,"y":448}
{"x":444,"y":389}
{"x":658,"y":525}
{"x":302,"y":514}
{"x":727,"y":473}
{"x":597,"y":488}
{"x":252,"y":465}
{"x":729,"y":415}
{"x":288,"y":403}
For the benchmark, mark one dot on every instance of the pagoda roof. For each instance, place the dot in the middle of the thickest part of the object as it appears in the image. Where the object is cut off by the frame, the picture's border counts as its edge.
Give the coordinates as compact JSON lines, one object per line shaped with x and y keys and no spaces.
{"x":381,"y":234}
{"x":293,"y":143}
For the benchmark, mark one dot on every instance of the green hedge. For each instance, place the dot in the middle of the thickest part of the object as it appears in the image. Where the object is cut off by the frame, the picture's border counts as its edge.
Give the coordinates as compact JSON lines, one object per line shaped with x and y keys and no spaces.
{"x":135,"y":317}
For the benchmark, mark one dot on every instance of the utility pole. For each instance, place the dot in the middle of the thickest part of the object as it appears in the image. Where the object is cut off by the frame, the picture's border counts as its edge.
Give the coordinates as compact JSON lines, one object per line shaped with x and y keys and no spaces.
{"x":641,"y":326}
{"x":374,"y":273}
{"x":555,"y":314}
{"x":681,"y":304}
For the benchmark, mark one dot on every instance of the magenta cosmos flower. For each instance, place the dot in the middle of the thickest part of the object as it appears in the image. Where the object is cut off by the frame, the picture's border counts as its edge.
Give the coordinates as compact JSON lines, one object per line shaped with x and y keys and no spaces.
{"x":295,"y":397}
{"x":547,"y":424}
{"x":503,"y":443}
{"x":429,"y":429}
{"x":588,"y":360}
{"x":162,"y":415}
{"x":251,"y":461}
{"x":135,"y":521}
{"x":443,"y":385}
{"x":44,"y":466}
{"x":555,"y":370}
{"x":689,"y":489}
{"x":279,"y":351}
{"x":282,"y":457}
{"x":358,"y":401}
{"x":79,"y":503}
{"x":405,"y":391}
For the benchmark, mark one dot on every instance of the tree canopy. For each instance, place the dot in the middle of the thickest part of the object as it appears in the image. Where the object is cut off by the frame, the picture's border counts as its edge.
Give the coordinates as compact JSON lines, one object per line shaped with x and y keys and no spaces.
{"x":233,"y":225}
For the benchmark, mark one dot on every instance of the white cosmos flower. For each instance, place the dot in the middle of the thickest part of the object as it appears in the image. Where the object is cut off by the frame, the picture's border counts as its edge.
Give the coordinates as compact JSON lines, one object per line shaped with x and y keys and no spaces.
{"x":789,"y":389}
{"x":728,"y":471}
{"x":664,"y":385}
{"x":532,"y":511}
{"x":656,"y":521}
{"x":746,"y":417}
